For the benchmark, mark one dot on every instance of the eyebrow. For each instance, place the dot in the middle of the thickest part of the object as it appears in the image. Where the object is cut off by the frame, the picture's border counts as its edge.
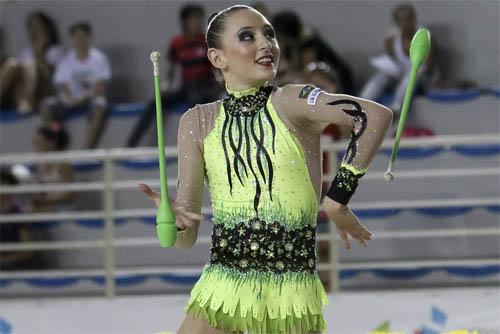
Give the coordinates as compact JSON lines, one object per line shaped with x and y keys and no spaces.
{"x":252,"y":27}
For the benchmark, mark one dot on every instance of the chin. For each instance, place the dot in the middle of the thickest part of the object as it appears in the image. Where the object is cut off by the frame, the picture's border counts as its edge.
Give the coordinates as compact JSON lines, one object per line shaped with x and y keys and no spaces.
{"x":267,"y":76}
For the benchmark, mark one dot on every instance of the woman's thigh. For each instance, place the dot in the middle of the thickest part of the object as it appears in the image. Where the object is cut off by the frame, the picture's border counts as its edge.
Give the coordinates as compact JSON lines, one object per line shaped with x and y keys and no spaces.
{"x":190,"y":325}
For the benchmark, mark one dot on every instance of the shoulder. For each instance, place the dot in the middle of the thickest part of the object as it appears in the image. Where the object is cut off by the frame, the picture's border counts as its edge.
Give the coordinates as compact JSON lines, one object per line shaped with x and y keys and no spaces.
{"x":295,"y":91}
{"x":98,"y":55}
{"x":177,"y":41}
{"x":199,"y":112}
{"x":67,"y":59}
{"x":54,"y":54}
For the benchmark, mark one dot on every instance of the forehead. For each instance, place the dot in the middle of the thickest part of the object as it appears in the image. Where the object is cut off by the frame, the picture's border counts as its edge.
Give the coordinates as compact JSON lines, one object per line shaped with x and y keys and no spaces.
{"x":80,"y":33}
{"x":245,"y":18}
{"x":404,"y":12}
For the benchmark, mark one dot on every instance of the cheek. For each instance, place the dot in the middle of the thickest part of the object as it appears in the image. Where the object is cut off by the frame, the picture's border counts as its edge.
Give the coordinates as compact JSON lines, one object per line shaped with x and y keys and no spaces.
{"x":242,"y":53}
{"x":276,"y":51}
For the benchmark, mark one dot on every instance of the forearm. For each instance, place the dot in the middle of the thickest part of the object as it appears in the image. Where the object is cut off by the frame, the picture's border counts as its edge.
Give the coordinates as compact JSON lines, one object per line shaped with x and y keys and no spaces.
{"x":186,"y":238}
{"x":370,"y":124}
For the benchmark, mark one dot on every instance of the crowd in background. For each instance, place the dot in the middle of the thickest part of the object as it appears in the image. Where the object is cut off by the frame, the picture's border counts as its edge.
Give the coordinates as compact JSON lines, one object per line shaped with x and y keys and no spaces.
{"x":53,"y":81}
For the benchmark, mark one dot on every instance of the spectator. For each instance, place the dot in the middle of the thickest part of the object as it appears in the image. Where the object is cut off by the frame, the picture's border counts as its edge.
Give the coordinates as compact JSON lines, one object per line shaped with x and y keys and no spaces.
{"x":37,"y":62}
{"x":394,"y":66}
{"x":10,"y":78}
{"x":81,"y":79}
{"x":189,"y":51}
{"x":15,"y":232}
{"x":48,"y":138}
{"x":303,"y":45}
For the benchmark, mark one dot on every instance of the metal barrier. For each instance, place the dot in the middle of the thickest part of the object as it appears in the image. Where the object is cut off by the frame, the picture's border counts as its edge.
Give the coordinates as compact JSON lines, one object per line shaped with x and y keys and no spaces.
{"x":108,"y":185}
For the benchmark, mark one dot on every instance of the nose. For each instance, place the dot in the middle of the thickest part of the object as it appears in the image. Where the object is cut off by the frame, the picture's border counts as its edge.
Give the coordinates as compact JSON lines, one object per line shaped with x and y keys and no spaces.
{"x":264,"y":43}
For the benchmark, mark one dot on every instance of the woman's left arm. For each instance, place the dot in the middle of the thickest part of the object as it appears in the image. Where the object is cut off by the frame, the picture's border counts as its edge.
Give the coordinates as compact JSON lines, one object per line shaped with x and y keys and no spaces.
{"x":314,"y":109}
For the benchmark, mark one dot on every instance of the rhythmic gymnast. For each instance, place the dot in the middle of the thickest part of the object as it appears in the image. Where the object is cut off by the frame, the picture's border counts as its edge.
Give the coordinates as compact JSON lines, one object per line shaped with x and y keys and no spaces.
{"x":259,"y":150}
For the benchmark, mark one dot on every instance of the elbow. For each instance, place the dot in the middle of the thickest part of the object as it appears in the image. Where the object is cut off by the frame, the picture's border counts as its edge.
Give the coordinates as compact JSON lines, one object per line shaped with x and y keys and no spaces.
{"x":184,"y":243}
{"x":383,"y":114}
{"x":184,"y":246}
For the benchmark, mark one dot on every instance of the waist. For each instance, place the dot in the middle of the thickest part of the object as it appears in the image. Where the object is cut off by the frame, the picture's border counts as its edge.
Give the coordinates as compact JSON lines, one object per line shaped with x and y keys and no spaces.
{"x":267,"y":246}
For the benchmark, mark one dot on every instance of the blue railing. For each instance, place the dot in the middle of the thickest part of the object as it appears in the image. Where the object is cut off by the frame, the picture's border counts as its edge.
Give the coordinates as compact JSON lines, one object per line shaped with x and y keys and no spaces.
{"x":135,"y":109}
{"x":470,"y":272}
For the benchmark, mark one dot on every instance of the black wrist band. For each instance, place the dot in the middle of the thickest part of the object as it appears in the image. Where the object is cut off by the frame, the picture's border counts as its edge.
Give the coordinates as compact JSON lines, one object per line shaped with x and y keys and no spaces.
{"x":344,"y":185}
{"x":180,"y":229}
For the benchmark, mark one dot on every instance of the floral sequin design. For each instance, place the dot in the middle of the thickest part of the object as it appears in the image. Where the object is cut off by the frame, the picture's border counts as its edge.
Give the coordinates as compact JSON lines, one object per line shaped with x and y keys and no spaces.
{"x":344,"y":185}
{"x":258,"y":245}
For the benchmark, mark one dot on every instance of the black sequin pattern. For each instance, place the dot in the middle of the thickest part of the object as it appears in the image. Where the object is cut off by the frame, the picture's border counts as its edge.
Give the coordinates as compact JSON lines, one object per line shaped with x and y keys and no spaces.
{"x":262,"y":246}
{"x":248,"y":112}
{"x":249,"y":104}
{"x":347,"y":180}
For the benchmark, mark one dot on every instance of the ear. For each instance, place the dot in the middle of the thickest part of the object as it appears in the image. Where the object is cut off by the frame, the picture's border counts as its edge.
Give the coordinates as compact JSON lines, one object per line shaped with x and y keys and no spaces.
{"x":217,"y":58}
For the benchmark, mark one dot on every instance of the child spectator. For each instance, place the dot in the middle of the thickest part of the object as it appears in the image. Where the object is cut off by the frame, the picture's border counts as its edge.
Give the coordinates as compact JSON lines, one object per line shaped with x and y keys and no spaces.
{"x":393,"y":67}
{"x":49,"y":138}
{"x":189,"y":51}
{"x":26,"y":82}
{"x":81,"y":79}
{"x":15,"y":232}
{"x":10,"y":77}
{"x":302,"y":45}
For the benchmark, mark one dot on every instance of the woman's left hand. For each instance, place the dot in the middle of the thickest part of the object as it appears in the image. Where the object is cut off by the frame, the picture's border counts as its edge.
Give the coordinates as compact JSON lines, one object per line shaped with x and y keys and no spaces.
{"x":346,"y":222}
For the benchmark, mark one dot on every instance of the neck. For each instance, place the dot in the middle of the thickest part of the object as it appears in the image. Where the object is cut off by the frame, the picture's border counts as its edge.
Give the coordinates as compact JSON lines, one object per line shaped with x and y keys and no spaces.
{"x":192,"y":34}
{"x":242,"y":90}
{"x":82,"y":54}
{"x":409,"y":33}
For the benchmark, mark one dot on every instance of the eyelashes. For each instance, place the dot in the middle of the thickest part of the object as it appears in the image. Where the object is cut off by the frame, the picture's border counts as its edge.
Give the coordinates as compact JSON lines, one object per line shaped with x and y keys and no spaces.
{"x":246,"y":36}
{"x":249,"y":36}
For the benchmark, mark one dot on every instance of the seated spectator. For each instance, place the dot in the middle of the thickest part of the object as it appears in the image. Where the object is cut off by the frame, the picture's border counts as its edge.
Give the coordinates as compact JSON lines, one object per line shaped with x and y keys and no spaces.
{"x":303,"y":45}
{"x":29,"y":80}
{"x":393,"y":67}
{"x":81,"y":80}
{"x":49,"y":138}
{"x":15,"y":232}
{"x":10,"y":78}
{"x":198,"y":85}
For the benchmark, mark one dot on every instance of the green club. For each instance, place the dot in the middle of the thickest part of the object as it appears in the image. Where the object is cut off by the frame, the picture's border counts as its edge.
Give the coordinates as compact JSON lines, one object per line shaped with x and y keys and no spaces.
{"x":166,"y":230}
{"x":419,"y":50}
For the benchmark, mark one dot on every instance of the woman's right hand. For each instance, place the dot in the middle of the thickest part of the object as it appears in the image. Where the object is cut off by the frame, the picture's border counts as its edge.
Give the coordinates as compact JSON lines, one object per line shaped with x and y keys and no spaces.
{"x":183,"y":218}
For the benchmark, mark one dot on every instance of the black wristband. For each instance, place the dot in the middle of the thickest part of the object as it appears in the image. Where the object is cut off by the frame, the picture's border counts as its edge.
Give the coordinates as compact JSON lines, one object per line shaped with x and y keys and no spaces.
{"x":181,"y":229}
{"x":344,"y":185}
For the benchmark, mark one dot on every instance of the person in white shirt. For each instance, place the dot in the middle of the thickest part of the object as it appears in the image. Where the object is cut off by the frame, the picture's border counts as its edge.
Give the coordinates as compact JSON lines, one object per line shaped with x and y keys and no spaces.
{"x":81,"y":79}
{"x":394,"y":66}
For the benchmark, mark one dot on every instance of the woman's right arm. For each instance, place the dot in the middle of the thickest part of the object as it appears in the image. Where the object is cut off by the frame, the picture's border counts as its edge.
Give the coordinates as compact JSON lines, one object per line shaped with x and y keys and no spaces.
{"x":191,"y":167}
{"x":191,"y":171}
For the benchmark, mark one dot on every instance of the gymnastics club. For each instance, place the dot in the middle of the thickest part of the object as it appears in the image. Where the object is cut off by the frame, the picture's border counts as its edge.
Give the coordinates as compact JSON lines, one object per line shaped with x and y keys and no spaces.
{"x":419,"y":50}
{"x":166,"y":230}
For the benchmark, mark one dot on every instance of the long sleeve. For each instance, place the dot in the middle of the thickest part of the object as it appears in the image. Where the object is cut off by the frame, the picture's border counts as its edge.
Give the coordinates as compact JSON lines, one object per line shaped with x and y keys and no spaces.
{"x":314,"y":109}
{"x":190,"y":173}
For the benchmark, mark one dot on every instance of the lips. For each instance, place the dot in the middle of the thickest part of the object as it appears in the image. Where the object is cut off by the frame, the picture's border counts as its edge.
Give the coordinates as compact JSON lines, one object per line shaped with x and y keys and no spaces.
{"x":265,"y":60}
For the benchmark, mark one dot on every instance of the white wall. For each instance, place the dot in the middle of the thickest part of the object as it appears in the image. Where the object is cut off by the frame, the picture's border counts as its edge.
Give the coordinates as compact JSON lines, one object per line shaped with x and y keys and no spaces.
{"x":468,"y":31}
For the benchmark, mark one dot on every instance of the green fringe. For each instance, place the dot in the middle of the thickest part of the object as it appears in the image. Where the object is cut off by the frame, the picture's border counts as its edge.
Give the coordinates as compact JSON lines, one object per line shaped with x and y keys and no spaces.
{"x":259,"y":302}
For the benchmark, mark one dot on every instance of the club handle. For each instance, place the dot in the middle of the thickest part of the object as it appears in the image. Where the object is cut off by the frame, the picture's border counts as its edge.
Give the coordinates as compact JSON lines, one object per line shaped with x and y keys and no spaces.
{"x":166,"y":229}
